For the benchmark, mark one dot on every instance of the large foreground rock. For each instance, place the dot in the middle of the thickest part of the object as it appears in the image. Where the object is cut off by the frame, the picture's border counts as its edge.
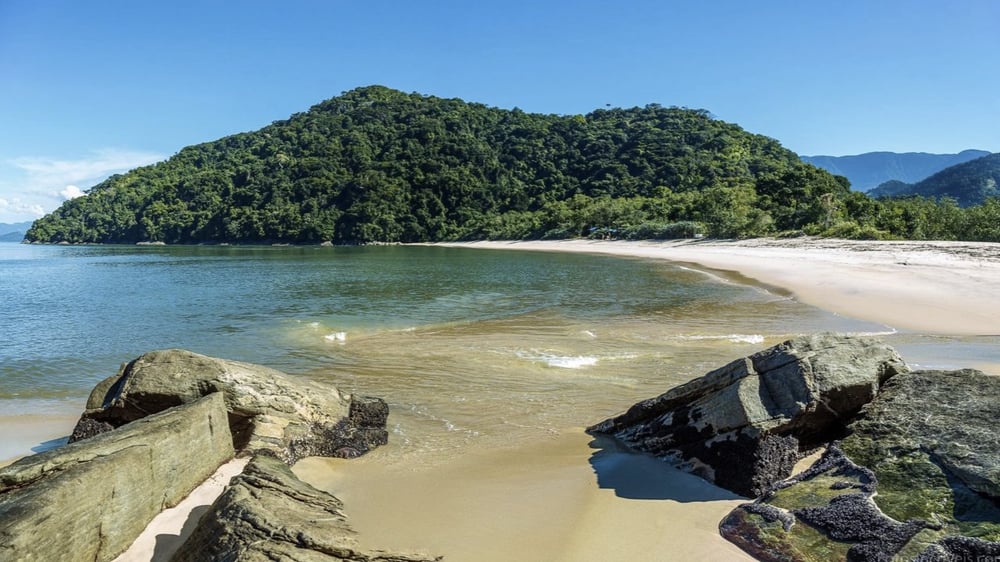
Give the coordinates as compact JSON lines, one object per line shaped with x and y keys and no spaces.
{"x":267,"y":513}
{"x":90,"y":500}
{"x":744,"y":426}
{"x":268,"y":410}
{"x":917,"y":478}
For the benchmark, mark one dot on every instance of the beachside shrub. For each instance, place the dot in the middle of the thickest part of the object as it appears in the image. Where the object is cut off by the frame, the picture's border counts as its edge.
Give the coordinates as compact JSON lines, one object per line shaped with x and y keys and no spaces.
{"x":853,"y":231}
{"x":664,"y":231}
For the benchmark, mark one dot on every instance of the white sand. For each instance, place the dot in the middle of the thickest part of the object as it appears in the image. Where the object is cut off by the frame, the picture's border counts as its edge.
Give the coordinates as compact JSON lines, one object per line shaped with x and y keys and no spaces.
{"x":929,"y":287}
{"x":168,"y":530}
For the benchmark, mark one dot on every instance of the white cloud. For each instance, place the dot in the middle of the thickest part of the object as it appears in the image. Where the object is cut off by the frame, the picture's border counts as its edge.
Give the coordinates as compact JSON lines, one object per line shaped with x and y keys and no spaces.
{"x":16,"y":207}
{"x":53,"y":173}
{"x":30,"y":186}
{"x":71,"y":192}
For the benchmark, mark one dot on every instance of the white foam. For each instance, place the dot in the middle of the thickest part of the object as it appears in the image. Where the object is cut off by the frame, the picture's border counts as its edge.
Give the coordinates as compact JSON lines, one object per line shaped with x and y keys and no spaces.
{"x":891,"y":331}
{"x":339,"y":337}
{"x":712,"y":276}
{"x":734,"y":338}
{"x":577,"y":362}
{"x":559,"y":361}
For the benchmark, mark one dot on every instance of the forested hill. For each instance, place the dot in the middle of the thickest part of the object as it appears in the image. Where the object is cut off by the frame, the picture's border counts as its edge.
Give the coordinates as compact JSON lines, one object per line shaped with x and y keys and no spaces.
{"x":375,"y":164}
{"x":971,"y":183}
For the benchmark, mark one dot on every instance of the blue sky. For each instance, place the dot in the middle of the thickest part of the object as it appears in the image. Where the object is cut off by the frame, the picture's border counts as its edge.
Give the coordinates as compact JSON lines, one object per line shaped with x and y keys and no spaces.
{"x":93,"y":88}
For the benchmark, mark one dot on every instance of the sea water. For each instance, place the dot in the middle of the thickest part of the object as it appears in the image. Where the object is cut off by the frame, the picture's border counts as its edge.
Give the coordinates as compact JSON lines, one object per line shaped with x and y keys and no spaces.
{"x":470,"y":347}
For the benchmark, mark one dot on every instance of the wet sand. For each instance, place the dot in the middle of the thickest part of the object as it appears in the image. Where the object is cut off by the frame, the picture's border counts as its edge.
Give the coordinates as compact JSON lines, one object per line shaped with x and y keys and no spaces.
{"x":568,"y":498}
{"x":929,"y":287}
{"x":25,"y":434}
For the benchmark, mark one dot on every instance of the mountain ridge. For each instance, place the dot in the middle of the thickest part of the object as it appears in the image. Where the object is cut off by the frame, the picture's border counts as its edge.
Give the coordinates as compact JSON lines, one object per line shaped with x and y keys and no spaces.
{"x":869,"y":170}
{"x":969,"y":183}
{"x":14,"y":232}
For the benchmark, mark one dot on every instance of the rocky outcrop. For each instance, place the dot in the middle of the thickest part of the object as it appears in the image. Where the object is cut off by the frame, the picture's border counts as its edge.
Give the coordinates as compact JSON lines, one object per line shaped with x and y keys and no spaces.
{"x":744,"y":425}
{"x":267,"y":513}
{"x":917,"y":478}
{"x":268,"y":410}
{"x":89,"y":500}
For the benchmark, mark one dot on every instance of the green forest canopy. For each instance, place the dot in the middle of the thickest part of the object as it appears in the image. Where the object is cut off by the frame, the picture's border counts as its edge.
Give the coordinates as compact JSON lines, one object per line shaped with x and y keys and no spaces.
{"x":379,"y":165}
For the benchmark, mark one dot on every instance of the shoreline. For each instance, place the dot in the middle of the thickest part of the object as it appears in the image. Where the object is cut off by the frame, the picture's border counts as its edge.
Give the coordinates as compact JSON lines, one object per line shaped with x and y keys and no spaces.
{"x":26,"y":434}
{"x":568,"y":499}
{"x":936,"y":288}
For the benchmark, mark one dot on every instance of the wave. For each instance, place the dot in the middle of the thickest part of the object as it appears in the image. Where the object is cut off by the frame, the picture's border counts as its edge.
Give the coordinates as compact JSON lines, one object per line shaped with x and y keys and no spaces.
{"x":339,"y":337}
{"x":733,"y":338}
{"x":567,"y":362}
{"x":726,"y":281}
{"x":558,"y":361}
{"x":890,"y":332}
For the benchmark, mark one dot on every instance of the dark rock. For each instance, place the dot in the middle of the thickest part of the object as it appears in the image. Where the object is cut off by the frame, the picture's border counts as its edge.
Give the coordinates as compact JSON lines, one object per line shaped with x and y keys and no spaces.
{"x":89,"y":427}
{"x":762,"y":460}
{"x":744,"y":425}
{"x":855,"y":518}
{"x":267,"y":513}
{"x":89,"y":500}
{"x":268,"y":410}
{"x":832,"y":497}
{"x":958,"y":548}
{"x":915,"y":479}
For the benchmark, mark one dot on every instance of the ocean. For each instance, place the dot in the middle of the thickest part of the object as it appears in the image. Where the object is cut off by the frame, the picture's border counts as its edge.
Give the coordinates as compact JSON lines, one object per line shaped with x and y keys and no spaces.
{"x":471,"y":348}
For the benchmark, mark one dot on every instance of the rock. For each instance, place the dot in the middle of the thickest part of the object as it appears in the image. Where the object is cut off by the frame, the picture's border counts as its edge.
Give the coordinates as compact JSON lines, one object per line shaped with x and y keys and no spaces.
{"x":89,"y":500}
{"x":268,"y":410}
{"x":915,"y":479}
{"x":267,"y":513}
{"x":744,"y":425}
{"x":951,"y":416}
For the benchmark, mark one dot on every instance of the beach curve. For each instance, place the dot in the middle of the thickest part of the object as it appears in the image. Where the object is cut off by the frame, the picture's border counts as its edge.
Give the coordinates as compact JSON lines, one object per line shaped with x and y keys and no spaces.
{"x":939,"y":288}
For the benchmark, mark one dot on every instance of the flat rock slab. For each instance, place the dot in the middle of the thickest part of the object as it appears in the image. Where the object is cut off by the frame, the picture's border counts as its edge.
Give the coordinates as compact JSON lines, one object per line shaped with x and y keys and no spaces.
{"x":268,"y":410}
{"x":743,"y":426}
{"x":916,"y":479}
{"x":89,"y":500}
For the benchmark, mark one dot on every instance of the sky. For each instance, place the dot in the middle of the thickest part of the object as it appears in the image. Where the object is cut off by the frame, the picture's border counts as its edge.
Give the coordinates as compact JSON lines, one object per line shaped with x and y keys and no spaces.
{"x":88,"y":89}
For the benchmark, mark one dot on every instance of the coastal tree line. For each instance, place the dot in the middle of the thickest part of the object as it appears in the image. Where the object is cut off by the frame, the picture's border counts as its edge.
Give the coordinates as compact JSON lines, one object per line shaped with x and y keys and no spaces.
{"x":378,"y":165}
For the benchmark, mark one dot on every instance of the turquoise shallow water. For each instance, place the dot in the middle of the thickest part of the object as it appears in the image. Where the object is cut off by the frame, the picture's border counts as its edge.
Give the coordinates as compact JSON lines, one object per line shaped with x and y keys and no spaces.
{"x":470,"y":347}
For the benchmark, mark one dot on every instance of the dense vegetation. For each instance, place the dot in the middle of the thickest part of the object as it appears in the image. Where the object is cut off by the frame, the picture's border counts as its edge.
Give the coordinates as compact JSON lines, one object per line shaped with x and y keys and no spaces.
{"x":378,"y":165}
{"x":871,"y":169}
{"x":970,"y":183}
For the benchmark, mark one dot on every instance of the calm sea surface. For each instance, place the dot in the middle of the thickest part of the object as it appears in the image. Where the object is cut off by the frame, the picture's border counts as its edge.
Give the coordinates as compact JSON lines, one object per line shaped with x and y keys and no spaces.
{"x":470,"y":347}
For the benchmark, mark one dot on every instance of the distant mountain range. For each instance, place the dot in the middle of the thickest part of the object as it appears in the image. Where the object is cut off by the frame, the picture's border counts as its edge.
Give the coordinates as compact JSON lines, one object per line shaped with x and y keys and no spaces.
{"x":13,"y":232}
{"x":869,"y":170}
{"x":969,"y":183}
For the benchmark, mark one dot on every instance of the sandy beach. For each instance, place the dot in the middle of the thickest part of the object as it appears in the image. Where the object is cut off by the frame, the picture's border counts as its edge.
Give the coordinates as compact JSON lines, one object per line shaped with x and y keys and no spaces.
{"x":24,"y":434}
{"x":947,"y":288}
{"x":565,"y":499}
{"x":570,"y":498}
